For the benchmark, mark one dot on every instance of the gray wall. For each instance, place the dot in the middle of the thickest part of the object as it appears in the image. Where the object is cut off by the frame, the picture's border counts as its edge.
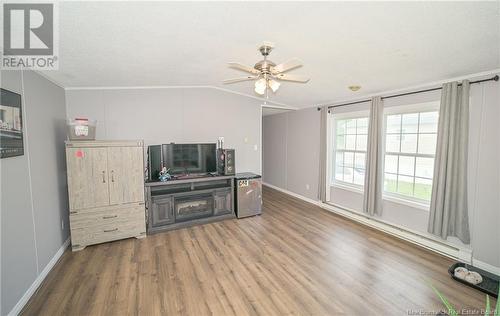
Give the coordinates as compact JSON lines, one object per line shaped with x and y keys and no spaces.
{"x":274,"y":139}
{"x":33,"y":187}
{"x":291,"y":151}
{"x":290,"y":161}
{"x":181,"y":115}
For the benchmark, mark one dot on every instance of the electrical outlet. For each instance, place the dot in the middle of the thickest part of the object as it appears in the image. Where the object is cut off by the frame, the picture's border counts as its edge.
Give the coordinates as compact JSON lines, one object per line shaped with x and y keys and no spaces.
{"x":307,"y":187}
{"x":255,"y":147}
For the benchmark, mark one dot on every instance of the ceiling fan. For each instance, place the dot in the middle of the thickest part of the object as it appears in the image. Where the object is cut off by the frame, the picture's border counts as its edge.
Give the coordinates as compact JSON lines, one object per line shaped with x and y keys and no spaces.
{"x":266,"y":73}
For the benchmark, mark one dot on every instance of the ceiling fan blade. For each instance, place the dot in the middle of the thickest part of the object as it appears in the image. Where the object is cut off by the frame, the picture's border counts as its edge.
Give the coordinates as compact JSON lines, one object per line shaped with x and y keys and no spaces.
{"x":240,"y":79}
{"x":244,"y":68}
{"x":286,"y":66}
{"x":294,"y":78}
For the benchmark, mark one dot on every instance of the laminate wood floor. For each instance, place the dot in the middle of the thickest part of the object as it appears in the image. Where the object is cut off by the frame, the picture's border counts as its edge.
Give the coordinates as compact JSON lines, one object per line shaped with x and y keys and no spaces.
{"x":295,"y":258}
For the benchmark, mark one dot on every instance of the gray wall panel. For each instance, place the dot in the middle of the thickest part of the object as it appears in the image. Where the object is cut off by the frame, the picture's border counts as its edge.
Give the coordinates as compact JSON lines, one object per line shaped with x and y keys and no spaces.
{"x":46,"y":116}
{"x":181,"y":115}
{"x":303,"y":152}
{"x":18,"y":240}
{"x":274,"y":149}
{"x":36,"y":201}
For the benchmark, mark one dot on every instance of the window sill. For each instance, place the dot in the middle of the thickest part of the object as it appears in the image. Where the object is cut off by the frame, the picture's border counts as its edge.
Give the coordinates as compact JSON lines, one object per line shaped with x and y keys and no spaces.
{"x":414,"y":204}
{"x":385,"y":197}
{"x":347,"y":187}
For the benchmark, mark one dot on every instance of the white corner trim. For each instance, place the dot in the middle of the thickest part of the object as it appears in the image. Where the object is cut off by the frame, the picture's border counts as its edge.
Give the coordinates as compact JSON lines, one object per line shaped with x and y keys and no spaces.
{"x":137,"y":87}
{"x":486,"y":266}
{"x":279,"y":107}
{"x":396,"y":231}
{"x":38,"y":281}
{"x":47,"y":77}
{"x":179,"y":87}
{"x":28,"y":157}
{"x":251,"y":96}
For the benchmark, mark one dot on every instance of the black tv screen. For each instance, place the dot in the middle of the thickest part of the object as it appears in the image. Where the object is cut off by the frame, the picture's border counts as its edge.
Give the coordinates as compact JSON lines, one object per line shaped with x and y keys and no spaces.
{"x":190,"y":158}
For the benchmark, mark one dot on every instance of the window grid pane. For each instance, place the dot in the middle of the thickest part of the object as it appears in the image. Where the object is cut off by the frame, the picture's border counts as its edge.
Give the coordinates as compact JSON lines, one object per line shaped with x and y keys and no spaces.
{"x":410,"y":150}
{"x":350,"y":137}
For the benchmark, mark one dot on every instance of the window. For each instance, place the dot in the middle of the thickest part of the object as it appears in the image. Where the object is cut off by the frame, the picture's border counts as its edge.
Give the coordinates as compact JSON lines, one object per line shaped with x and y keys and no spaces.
{"x":410,"y":148}
{"x":349,"y":135}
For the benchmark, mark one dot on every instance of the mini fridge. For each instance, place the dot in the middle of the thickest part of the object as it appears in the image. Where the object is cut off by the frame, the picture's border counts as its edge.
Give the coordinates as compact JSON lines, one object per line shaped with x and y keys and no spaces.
{"x":248,"y":194}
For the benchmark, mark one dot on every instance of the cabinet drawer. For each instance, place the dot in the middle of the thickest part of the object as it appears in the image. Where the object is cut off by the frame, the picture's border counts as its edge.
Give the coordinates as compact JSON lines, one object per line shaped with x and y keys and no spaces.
{"x":106,"y":232}
{"x":107,"y":215}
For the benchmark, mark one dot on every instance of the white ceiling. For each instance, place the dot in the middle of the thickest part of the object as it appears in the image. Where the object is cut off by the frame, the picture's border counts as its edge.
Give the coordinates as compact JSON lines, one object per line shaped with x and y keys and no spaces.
{"x":380,"y":46}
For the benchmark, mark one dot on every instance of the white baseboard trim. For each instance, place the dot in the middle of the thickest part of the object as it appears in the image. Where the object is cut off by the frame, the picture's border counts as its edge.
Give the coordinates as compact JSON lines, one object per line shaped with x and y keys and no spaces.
{"x":38,"y":281}
{"x":485,"y":266}
{"x":464,"y":255}
{"x":315,"y":202}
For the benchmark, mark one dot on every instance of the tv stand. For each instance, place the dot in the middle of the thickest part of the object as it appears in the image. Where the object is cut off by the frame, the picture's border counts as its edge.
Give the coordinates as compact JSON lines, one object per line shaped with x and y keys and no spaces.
{"x":185,"y":202}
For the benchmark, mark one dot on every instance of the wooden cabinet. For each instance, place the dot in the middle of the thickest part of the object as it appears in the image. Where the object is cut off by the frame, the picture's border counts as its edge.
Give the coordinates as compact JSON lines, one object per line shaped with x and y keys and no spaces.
{"x":182,"y":203}
{"x":87,"y":177}
{"x":126,"y":180}
{"x":106,"y":191}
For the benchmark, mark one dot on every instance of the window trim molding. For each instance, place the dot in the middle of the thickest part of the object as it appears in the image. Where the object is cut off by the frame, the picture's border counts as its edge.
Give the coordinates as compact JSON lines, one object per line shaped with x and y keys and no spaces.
{"x":406,"y":200}
{"x":431,"y":106}
{"x":395,"y":197}
{"x":348,"y":186}
{"x":334,"y":117}
{"x":350,"y":115}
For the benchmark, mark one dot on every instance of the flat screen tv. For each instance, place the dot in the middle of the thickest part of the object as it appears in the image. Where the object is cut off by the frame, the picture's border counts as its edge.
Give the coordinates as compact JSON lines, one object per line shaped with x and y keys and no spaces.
{"x":190,"y":158}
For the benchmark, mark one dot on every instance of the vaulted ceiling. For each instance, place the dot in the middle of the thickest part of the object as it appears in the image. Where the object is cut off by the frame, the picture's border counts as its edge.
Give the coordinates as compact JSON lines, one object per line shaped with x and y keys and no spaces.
{"x":380,"y":46}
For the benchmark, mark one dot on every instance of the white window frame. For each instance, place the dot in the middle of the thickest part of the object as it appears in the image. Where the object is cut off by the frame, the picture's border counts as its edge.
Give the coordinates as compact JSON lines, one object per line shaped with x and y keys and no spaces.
{"x":342,"y":116}
{"x":407,"y":109}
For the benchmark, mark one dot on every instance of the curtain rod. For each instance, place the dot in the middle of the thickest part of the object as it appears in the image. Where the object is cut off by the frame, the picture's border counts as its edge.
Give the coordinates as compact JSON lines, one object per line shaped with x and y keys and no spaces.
{"x":495,"y":78}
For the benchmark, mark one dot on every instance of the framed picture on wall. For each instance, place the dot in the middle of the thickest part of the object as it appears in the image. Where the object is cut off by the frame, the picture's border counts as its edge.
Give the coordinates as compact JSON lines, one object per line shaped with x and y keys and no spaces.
{"x":11,"y":124}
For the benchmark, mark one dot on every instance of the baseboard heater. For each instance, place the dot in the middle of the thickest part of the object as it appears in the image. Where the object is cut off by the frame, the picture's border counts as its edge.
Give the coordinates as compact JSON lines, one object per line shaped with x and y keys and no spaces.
{"x":403,"y":233}
{"x":464,"y":255}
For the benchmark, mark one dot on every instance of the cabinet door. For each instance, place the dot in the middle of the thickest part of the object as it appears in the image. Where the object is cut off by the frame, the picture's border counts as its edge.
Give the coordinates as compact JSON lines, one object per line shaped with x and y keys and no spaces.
{"x":126,"y":177}
{"x":87,"y":177}
{"x":162,"y":211}
{"x":223,"y":202}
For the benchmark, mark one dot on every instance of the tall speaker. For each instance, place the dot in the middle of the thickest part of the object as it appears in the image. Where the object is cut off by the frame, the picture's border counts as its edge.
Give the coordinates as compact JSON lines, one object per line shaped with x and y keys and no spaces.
{"x":225,"y":162}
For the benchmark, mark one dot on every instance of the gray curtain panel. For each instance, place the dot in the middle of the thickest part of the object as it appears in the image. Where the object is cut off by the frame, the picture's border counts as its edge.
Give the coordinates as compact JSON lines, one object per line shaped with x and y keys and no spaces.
{"x":322,"y":154}
{"x":448,"y":213}
{"x":372,"y":199}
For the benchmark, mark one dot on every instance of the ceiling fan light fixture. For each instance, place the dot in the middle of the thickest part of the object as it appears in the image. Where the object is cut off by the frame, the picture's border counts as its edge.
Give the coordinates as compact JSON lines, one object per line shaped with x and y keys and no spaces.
{"x":267,"y":73}
{"x":274,"y":85}
{"x":260,"y":86}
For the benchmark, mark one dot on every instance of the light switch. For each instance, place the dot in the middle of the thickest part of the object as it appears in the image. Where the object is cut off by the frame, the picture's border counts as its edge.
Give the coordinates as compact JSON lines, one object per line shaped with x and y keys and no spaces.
{"x":255,"y":147}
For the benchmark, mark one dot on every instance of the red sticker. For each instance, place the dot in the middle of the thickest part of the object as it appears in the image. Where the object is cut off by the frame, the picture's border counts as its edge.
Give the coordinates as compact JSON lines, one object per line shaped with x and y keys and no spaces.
{"x":79,"y":154}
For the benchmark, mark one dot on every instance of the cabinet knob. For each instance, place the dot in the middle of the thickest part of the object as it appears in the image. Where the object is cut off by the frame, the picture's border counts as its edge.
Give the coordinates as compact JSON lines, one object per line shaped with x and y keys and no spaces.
{"x":108,"y":217}
{"x":112,"y":176}
{"x":110,"y":230}
{"x":103,"y":176}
